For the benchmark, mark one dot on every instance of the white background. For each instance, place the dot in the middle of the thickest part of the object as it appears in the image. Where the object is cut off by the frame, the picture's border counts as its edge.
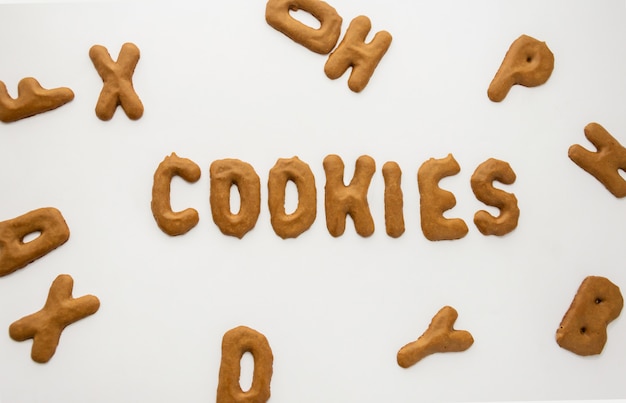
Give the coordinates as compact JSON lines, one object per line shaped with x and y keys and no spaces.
{"x":218,"y":82}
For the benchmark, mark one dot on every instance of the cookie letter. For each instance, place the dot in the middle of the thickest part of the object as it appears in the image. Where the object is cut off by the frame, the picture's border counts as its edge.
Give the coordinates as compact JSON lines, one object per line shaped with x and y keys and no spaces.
{"x":291,"y":225}
{"x":235,"y":343}
{"x":59,"y":311}
{"x":440,"y":337}
{"x":342,"y":200}
{"x":394,"y":218}
{"x":32,"y":99}
{"x":434,"y":200}
{"x":354,"y":52}
{"x":321,"y":40}
{"x":528,"y":62}
{"x":224,"y":174}
{"x":118,"y":81}
{"x":583,"y":329}
{"x":15,"y":253}
{"x":605,"y":163}
{"x":482,"y":186}
{"x":173,"y":223}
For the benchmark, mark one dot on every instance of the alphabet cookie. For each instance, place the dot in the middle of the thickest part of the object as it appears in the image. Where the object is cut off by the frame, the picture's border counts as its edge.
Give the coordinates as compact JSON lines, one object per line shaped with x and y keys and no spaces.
{"x":321,"y":40}
{"x":604,"y":164}
{"x":354,"y":52}
{"x":434,"y":201}
{"x":224,"y":174}
{"x":45,"y":326}
{"x":440,"y":337}
{"x":291,"y":225}
{"x":482,"y":186}
{"x":342,"y":200}
{"x":31,"y":100}
{"x":235,"y":343}
{"x":394,"y":217}
{"x":528,"y":62}
{"x":583,"y":329}
{"x":118,"y":81}
{"x":15,"y":253}
{"x":170,"y":222}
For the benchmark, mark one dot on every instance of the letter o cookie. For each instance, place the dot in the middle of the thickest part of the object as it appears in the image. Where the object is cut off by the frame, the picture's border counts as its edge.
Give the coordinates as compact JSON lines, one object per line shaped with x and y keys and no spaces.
{"x":321,"y":40}
{"x":224,"y":174}
{"x":15,"y":253}
{"x":291,"y":225}
{"x":235,"y":343}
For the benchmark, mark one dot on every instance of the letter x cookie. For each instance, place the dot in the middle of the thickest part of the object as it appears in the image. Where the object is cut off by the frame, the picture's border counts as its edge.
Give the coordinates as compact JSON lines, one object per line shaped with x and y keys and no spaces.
{"x":46,"y":325}
{"x":118,"y":81}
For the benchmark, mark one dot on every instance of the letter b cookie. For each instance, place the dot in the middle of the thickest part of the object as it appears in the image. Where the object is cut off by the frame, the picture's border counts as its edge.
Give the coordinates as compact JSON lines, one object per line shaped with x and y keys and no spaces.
{"x":583,"y":329}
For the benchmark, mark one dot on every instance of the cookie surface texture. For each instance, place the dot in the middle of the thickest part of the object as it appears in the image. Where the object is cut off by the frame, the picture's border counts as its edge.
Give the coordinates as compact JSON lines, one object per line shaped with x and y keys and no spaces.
{"x":60,"y":310}
{"x":606,"y":163}
{"x":294,"y":170}
{"x":170,"y":222}
{"x":440,"y":337}
{"x":528,"y":62}
{"x":15,"y":253}
{"x":583,"y":329}
{"x":117,"y":78}
{"x":32,"y":99}
{"x":321,"y":40}
{"x":235,"y":343}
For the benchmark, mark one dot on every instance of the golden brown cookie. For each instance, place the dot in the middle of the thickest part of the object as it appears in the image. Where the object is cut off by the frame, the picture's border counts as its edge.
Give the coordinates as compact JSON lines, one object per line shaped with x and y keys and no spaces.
{"x":434,"y":201}
{"x":31,"y":100}
{"x":170,"y":222}
{"x":482,"y":186}
{"x":46,"y":325}
{"x":528,"y":62}
{"x":235,"y":343}
{"x":342,"y":200}
{"x":606,"y":163}
{"x":440,"y":337}
{"x":321,"y":40}
{"x":394,"y":216}
{"x":354,"y":52}
{"x":15,"y":253}
{"x":224,"y":174}
{"x":118,"y":81}
{"x":583,"y":329}
{"x":291,"y":225}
